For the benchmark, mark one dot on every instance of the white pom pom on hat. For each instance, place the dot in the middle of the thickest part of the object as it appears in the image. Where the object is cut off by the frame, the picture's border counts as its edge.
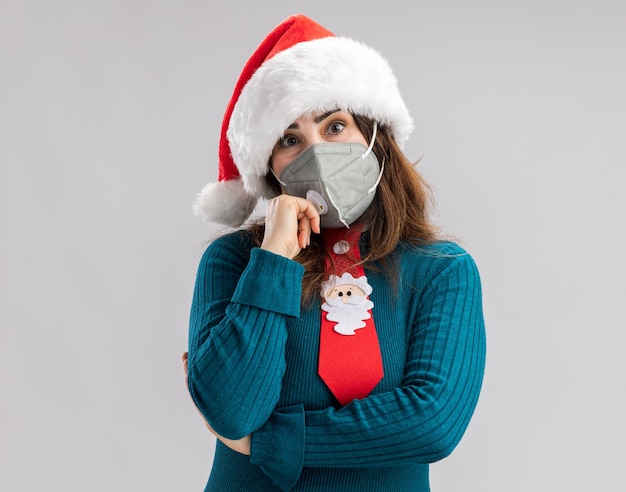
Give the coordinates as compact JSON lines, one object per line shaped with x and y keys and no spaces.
{"x":299,"y":68}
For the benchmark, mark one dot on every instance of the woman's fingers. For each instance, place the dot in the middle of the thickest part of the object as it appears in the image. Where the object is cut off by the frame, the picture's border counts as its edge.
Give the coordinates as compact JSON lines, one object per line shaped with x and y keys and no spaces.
{"x":308,"y":220}
{"x":304,"y":232}
{"x":288,"y":225}
{"x":310,"y":212}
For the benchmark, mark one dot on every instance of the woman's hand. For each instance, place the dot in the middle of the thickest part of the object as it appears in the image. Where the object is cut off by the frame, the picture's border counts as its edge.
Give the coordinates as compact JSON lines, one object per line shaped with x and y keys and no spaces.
{"x":288,"y":225}
{"x":240,"y":445}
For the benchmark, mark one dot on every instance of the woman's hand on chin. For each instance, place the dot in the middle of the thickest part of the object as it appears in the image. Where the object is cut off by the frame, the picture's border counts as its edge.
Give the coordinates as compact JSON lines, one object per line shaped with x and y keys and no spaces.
{"x":289,"y":222}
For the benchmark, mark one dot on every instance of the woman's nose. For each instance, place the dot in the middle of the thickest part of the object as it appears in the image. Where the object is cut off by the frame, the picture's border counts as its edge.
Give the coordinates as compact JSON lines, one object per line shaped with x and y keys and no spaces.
{"x":311,"y":138}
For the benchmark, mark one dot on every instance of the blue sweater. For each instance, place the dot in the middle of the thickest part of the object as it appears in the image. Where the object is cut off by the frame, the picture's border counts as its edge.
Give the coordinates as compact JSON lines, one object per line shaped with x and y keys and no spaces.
{"x":253,"y":370}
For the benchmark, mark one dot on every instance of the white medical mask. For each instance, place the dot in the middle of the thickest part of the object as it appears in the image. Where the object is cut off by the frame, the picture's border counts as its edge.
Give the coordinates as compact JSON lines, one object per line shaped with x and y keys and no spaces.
{"x":340,"y":178}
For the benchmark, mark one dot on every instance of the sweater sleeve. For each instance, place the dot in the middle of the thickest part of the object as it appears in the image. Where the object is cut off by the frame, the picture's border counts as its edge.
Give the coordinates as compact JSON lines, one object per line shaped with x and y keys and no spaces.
{"x":237,"y":334}
{"x":423,"y":419}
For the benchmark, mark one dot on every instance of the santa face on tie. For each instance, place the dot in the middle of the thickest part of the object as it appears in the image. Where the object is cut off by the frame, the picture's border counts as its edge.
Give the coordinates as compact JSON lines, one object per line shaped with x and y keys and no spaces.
{"x":346,"y":302}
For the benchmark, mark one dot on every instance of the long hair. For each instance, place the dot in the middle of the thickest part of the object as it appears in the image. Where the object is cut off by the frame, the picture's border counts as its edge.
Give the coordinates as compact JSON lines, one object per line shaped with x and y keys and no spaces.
{"x":399,"y":213}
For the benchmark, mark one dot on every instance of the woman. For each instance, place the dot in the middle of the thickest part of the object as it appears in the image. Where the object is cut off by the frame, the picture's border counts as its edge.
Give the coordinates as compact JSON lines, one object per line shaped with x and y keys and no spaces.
{"x":340,"y":344}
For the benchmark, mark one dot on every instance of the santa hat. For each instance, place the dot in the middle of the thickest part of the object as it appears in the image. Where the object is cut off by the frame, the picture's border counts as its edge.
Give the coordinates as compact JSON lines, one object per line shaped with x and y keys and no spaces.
{"x":299,"y":68}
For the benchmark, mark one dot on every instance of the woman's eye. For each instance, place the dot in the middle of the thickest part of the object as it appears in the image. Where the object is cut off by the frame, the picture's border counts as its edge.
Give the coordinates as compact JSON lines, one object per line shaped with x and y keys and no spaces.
{"x":288,"y":141}
{"x":335,"y":127}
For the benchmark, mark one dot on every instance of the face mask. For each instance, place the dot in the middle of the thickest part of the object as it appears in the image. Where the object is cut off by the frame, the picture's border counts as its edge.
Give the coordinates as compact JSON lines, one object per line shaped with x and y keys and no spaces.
{"x":339,"y":178}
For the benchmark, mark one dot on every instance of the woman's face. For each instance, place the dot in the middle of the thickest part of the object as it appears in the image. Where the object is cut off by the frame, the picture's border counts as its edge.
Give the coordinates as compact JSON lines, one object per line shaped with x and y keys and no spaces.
{"x":334,"y":126}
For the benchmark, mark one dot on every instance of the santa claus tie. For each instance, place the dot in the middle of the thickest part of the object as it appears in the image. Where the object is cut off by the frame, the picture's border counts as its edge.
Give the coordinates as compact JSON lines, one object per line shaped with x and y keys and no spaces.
{"x":350,"y":361}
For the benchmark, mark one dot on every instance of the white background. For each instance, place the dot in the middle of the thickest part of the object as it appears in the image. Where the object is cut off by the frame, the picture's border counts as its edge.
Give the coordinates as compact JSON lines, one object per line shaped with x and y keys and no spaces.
{"x":109,"y":121}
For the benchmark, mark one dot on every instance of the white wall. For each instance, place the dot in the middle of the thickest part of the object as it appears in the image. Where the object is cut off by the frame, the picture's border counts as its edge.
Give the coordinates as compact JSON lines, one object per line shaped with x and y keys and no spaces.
{"x":109,"y":120}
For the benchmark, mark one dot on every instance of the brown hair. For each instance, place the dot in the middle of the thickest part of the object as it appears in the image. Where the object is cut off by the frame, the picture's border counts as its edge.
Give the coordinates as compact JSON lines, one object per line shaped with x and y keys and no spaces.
{"x":400,"y":212}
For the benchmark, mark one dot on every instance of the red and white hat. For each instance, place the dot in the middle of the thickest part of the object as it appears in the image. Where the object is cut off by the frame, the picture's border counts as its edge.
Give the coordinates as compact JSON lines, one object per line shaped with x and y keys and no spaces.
{"x":300,"y":68}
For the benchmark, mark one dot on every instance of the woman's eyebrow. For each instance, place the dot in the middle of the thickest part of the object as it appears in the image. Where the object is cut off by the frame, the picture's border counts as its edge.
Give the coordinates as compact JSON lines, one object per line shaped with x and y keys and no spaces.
{"x":317,"y":120}
{"x":322,"y":117}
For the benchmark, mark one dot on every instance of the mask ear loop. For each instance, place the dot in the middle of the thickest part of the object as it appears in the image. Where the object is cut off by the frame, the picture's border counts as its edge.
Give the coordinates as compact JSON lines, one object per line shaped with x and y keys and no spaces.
{"x":382,"y":165}
{"x":380,"y":175}
{"x":369,"y":149}
{"x":282,"y":183}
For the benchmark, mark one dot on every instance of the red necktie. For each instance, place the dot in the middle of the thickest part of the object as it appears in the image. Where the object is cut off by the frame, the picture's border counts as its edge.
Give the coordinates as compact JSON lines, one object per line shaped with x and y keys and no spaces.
{"x":350,"y":362}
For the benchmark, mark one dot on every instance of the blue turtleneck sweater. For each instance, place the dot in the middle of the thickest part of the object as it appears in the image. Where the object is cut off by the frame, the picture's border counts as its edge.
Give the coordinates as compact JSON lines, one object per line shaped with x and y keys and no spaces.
{"x":253,"y":353}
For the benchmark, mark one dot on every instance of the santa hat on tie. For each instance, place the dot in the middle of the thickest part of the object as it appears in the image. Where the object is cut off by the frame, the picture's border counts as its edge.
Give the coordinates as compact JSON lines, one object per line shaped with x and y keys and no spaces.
{"x":300,"y":68}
